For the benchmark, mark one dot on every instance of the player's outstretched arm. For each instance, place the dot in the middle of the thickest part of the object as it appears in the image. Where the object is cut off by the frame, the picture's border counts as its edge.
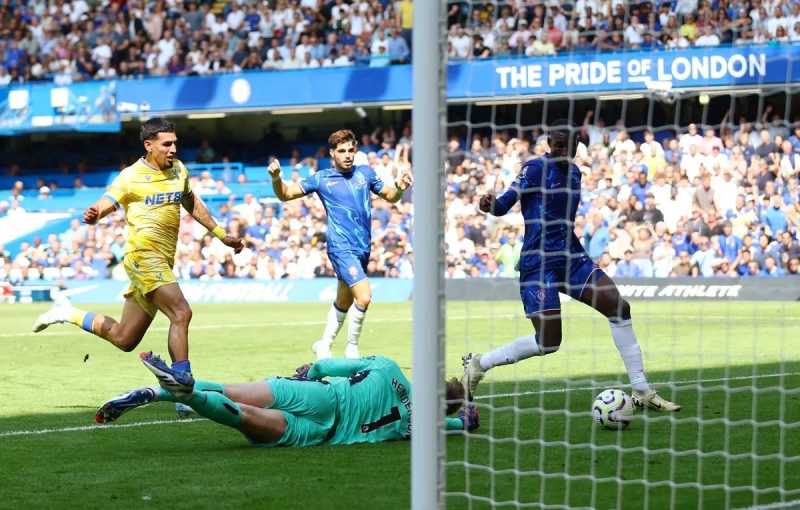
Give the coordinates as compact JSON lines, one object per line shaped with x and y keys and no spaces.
{"x":195,"y":206}
{"x":498,"y":206}
{"x":401,"y":184}
{"x":99,"y":210}
{"x":283,"y":190}
{"x":468,"y":419}
{"x":337,"y":367}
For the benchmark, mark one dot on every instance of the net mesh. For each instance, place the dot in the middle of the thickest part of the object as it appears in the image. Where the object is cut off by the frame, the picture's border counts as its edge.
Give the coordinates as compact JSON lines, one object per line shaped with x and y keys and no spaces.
{"x":732,"y":364}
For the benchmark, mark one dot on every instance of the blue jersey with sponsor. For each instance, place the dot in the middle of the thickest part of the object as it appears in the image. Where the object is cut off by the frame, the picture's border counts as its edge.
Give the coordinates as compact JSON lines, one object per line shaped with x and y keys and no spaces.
{"x":549,"y":193}
{"x":347,"y":201}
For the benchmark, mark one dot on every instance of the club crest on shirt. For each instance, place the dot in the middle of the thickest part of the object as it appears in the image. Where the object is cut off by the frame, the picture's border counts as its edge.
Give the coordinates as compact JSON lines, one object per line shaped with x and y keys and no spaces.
{"x":359,"y":181}
{"x":148,"y":178}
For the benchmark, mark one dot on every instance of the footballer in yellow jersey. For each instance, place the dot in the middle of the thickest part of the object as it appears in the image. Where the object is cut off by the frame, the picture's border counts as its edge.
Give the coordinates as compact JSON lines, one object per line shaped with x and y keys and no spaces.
{"x":151,"y":193}
{"x":151,"y":199}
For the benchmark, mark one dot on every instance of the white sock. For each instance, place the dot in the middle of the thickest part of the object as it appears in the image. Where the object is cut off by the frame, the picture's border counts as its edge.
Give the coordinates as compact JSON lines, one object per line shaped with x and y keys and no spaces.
{"x":334,"y":324}
{"x":628,"y":347}
{"x":354,"y":326}
{"x":523,"y":347}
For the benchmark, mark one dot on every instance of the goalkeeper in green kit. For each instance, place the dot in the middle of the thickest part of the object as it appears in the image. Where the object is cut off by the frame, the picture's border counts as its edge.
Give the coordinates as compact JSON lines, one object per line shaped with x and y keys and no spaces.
{"x":333,"y":401}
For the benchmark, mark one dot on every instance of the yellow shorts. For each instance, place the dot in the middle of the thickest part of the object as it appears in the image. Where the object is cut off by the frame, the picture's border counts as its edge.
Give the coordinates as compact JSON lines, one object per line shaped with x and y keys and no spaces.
{"x":147,"y":272}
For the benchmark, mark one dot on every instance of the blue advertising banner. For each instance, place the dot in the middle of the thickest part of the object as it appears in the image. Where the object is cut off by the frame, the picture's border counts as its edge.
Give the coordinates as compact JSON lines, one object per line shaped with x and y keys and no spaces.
{"x":629,"y":71}
{"x":95,"y":106}
{"x":267,"y":89}
{"x":88,"y":106}
{"x":568,"y":73}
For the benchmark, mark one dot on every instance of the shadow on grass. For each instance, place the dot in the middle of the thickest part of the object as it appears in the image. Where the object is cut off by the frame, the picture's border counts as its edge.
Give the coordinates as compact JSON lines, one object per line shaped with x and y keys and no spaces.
{"x":727,"y":447}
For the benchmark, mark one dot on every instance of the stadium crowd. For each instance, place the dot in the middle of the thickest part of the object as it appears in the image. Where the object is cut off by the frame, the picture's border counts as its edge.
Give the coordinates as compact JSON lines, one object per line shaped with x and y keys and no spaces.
{"x":75,"y":40}
{"x":707,"y":202}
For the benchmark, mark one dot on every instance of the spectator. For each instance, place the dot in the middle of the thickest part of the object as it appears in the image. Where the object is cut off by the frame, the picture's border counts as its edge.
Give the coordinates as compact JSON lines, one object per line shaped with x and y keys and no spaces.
{"x":728,"y":220}
{"x":398,"y":49}
{"x":206,"y":154}
{"x":683,"y":267}
{"x":627,"y":268}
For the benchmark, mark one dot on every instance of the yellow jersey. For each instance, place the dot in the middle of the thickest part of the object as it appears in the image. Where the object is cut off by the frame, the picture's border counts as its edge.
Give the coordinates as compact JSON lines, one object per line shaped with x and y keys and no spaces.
{"x":151,"y":199}
{"x":406,"y":8}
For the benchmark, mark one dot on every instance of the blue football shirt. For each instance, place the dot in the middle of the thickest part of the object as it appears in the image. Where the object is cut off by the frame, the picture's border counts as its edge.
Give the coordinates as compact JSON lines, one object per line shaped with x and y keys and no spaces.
{"x":348,"y":203}
{"x":549,"y":193}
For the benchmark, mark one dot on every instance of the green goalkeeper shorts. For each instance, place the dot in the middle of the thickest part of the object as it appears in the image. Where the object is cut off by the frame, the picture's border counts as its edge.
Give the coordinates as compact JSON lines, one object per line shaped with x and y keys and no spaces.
{"x":309,"y":408}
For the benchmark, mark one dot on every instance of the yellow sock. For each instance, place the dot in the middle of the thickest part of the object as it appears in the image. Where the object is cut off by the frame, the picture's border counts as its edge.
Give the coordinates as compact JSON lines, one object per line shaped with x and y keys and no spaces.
{"x":82,"y":319}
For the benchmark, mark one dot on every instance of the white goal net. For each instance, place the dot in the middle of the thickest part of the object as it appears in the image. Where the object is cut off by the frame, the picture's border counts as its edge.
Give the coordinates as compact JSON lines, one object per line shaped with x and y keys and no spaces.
{"x":689,"y":201}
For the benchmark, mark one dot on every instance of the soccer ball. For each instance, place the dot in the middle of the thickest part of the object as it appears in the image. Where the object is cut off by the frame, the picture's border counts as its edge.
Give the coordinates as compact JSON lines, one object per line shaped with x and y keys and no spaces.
{"x":613,"y":409}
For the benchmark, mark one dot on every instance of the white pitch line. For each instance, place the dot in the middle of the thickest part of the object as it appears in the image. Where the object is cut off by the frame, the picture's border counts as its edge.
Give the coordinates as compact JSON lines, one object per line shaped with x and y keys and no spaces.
{"x":777,"y":505}
{"x":71,"y":331}
{"x":604,"y":383}
{"x":84,"y":428}
{"x":512,"y":315}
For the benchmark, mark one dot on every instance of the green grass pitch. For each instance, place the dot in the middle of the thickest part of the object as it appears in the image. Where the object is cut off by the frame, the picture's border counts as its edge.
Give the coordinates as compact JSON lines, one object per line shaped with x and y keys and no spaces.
{"x":735,"y":367}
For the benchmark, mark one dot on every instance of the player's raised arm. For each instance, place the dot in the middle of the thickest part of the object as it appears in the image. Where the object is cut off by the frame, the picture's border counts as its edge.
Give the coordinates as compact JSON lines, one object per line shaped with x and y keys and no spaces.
{"x":199,"y":211}
{"x":393,"y":193}
{"x":283,"y":190}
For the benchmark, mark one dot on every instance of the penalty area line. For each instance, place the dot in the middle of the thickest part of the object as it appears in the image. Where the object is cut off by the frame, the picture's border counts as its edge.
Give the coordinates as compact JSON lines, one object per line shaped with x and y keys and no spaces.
{"x":84,"y":428}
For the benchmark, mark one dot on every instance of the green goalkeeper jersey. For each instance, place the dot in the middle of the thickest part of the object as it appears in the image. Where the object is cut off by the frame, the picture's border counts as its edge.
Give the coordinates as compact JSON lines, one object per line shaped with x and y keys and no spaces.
{"x":374,"y":399}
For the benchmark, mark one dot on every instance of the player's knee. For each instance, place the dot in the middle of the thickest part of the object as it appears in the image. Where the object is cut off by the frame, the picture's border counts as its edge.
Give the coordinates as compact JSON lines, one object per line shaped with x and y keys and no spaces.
{"x":624,"y":310}
{"x":343,"y":304}
{"x":125,"y":338}
{"x":363,"y":302}
{"x":182,"y":316}
{"x":550,"y":350}
{"x":128,"y":341}
{"x":128,"y":346}
{"x":550,"y":343}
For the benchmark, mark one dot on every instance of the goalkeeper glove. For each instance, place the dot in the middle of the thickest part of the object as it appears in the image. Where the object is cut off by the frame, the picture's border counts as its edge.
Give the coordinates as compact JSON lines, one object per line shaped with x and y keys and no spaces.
{"x":470,"y":417}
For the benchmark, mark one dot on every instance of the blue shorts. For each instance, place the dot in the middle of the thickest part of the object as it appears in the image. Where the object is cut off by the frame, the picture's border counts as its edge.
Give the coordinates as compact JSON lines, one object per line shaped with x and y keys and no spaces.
{"x":539,"y":287}
{"x":350,"y":267}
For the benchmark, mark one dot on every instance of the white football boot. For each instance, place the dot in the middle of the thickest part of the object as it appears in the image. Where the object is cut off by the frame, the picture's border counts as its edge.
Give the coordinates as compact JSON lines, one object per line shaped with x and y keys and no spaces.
{"x":57,"y":314}
{"x":322,"y":349}
{"x":653,"y":400}
{"x":351,"y":351}
{"x":473,"y":373}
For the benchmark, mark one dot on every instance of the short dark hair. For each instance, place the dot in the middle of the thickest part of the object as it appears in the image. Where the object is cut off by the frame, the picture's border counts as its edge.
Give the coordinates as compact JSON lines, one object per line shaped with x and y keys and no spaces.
{"x":561,"y":139}
{"x":152,"y":127}
{"x":341,"y":136}
{"x":454,"y":395}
